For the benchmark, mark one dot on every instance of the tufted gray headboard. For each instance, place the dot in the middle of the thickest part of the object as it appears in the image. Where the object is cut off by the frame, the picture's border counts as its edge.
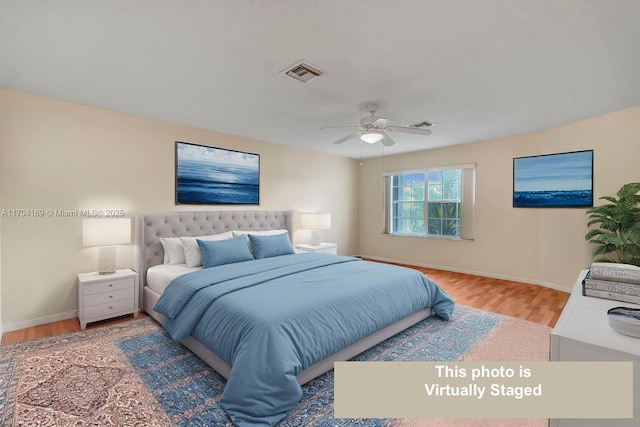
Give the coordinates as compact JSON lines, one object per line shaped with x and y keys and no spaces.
{"x":150,"y":228}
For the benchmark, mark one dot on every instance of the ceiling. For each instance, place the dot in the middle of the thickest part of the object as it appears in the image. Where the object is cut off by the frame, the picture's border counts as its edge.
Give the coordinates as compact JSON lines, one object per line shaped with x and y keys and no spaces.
{"x":477,"y":69}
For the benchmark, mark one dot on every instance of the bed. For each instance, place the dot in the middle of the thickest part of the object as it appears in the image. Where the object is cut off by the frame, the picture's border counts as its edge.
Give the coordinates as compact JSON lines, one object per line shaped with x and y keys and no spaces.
{"x":277,"y":298}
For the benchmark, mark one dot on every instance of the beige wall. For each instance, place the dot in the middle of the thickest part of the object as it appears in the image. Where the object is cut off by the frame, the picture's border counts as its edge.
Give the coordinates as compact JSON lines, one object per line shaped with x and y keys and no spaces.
{"x":1,"y":328}
{"x":60,"y":155}
{"x":543,"y":246}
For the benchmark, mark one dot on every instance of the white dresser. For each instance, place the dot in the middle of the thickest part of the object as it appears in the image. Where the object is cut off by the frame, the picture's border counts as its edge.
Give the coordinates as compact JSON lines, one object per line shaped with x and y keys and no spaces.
{"x":103,"y":296}
{"x":583,"y":334}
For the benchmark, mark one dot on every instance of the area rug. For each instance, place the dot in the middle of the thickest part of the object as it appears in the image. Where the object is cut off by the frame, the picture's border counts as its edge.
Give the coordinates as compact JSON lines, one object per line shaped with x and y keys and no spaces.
{"x":133,"y":374}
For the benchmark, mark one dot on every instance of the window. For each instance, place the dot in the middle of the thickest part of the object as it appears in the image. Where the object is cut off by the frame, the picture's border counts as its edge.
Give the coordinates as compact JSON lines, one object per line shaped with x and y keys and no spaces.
{"x":431,"y":202}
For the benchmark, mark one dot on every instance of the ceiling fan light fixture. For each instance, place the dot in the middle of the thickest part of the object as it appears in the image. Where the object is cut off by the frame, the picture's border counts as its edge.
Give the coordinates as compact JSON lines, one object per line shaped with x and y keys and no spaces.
{"x":371,"y":137}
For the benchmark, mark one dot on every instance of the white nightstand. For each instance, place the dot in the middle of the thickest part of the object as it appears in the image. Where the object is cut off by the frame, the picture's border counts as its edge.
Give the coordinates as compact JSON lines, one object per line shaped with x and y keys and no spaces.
{"x":103,"y":296}
{"x":327,"y":248}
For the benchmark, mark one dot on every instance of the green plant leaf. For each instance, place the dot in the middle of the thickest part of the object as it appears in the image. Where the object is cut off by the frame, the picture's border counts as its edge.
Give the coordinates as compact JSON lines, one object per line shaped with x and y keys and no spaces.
{"x":615,"y":226}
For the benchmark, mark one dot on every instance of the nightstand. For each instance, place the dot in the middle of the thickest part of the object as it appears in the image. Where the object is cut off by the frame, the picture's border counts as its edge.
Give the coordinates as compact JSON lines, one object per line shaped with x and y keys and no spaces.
{"x":103,"y":296}
{"x":327,"y":248}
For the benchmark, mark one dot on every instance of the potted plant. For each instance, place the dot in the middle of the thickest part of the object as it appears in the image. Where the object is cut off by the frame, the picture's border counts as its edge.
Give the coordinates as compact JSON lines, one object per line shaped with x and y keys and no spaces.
{"x":617,"y":238}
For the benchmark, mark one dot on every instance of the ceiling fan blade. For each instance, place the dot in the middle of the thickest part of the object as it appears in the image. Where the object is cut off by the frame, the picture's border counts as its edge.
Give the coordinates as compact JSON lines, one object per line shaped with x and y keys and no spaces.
{"x":348,"y":137}
{"x":373,"y":121}
{"x":381,"y":122}
{"x":409,"y":129}
{"x":338,"y":127}
{"x":386,"y":141}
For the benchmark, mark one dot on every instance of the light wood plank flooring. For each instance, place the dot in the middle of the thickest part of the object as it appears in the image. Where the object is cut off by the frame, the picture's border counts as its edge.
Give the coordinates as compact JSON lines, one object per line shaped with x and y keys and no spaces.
{"x":58,"y":328}
{"x":534,"y":303}
{"x":530,"y":302}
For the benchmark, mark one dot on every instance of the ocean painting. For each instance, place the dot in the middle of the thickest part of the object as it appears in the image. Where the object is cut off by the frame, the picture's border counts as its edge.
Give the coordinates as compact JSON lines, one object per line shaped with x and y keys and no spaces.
{"x":209,"y":175}
{"x":554,"y":180}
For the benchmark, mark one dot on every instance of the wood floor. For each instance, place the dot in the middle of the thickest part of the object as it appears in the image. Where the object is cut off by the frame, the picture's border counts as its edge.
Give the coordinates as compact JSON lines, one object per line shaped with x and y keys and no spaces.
{"x":530,"y":302}
{"x":58,"y":328}
{"x":534,"y":303}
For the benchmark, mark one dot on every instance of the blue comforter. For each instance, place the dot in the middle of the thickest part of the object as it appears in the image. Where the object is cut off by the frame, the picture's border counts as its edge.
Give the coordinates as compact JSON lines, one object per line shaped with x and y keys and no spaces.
{"x":271,"y":318}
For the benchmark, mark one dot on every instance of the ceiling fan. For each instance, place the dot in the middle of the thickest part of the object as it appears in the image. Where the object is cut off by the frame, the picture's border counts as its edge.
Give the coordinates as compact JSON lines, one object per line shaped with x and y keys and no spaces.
{"x":373,"y":129}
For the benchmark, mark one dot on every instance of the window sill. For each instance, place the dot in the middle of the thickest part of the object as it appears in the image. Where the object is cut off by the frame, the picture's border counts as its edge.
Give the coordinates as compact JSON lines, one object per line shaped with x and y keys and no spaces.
{"x":430,"y":236}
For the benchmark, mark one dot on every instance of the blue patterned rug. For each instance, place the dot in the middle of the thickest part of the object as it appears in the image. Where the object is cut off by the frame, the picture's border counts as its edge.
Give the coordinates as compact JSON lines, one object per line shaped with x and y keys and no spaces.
{"x":132,"y":373}
{"x":188,"y":390}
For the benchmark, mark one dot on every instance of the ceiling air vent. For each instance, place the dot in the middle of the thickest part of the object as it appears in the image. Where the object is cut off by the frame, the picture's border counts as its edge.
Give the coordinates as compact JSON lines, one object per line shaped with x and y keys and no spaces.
{"x":303,"y":72}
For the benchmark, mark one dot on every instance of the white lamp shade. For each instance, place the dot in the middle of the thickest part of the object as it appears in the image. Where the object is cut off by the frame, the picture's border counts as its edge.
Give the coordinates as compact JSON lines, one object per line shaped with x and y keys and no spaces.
{"x":315,"y":221}
{"x":106,"y":231}
{"x":372,"y":137}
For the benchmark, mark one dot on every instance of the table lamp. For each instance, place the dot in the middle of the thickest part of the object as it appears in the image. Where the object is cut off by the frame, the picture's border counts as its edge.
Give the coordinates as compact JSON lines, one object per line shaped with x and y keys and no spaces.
{"x":315,"y":222}
{"x":105,"y":233}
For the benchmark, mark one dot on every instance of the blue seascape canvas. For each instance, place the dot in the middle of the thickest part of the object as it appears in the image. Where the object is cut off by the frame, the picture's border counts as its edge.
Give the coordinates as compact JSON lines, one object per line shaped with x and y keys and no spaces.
{"x":553,"y":180}
{"x":209,"y":175}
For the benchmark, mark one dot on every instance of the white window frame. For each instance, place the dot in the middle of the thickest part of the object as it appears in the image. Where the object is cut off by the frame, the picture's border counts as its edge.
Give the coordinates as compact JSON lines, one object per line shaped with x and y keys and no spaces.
{"x":467,"y":202}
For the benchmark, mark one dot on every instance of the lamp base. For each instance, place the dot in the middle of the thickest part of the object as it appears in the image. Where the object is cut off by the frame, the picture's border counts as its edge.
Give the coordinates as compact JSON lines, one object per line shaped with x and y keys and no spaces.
{"x":107,"y":260}
{"x":315,"y":238}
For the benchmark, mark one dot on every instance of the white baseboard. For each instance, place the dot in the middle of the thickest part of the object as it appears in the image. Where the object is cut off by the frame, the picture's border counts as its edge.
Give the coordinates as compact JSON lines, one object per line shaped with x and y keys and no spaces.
{"x":40,"y":321}
{"x":473,"y":272}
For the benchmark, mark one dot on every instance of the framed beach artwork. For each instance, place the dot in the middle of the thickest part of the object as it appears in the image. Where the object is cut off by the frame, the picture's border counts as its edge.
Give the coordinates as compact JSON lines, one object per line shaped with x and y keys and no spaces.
{"x":214,"y":176}
{"x":562,"y":180}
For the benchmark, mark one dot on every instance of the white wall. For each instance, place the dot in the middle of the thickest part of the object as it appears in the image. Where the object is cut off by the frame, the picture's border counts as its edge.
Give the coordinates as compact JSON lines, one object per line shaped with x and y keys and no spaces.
{"x":60,"y":155}
{"x":544,"y":246}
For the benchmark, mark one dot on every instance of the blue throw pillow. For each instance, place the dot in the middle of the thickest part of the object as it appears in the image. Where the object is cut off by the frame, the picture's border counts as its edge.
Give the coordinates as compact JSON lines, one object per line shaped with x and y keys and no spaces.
{"x":220,"y":252}
{"x":268,"y":246}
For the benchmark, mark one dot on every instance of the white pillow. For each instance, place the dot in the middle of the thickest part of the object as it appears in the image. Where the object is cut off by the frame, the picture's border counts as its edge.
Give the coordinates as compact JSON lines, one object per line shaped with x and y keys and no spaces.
{"x":173,"y":250}
{"x":192,"y":254}
{"x":245,"y":233}
{"x":237,"y":233}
